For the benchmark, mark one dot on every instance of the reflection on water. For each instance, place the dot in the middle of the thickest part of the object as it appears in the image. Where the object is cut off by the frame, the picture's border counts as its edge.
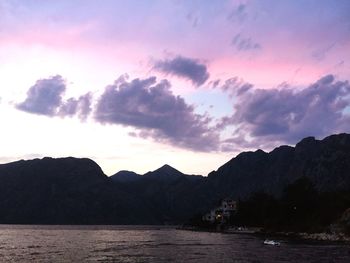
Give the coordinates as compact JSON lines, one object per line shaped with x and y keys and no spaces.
{"x":152,"y":244}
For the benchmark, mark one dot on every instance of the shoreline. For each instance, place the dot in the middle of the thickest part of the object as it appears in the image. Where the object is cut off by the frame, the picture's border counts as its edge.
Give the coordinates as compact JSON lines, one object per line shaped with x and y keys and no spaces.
{"x":322,"y":236}
{"x":319,"y":236}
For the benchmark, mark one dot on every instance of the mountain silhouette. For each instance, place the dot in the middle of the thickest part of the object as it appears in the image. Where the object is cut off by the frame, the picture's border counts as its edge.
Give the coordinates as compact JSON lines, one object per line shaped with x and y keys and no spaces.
{"x":76,"y":191}
{"x":125,"y":176}
{"x":325,"y":162}
{"x":65,"y":191}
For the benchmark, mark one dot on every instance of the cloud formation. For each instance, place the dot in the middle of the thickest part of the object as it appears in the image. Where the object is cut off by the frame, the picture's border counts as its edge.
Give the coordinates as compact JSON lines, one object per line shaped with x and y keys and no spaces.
{"x":152,"y":107}
{"x":238,"y":13}
{"x":321,"y":53}
{"x":287,"y":115}
{"x":261,"y":117}
{"x":244,"y":43}
{"x":46,"y":98}
{"x":234,"y":86}
{"x":193,"y":19}
{"x":188,"y":68}
{"x":80,"y":106}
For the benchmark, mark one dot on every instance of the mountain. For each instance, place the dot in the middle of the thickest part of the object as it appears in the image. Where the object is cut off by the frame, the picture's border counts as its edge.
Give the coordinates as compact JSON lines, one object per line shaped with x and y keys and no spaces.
{"x":125,"y":176}
{"x":166,"y":173}
{"x":325,"y":162}
{"x":168,"y":190}
{"x":65,"y":191}
{"x":76,"y":191}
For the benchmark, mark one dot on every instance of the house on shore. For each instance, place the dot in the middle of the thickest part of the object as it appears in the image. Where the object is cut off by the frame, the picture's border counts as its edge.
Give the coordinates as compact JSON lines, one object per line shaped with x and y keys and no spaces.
{"x":222,"y":213}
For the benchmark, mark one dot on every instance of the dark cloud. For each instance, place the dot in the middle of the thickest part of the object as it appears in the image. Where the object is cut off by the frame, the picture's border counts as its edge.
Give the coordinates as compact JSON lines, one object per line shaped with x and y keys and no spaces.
{"x":244,"y":43}
{"x":183,"y":67}
{"x":44,"y":97}
{"x":157,"y":112}
{"x":80,"y":107}
{"x":287,"y":115}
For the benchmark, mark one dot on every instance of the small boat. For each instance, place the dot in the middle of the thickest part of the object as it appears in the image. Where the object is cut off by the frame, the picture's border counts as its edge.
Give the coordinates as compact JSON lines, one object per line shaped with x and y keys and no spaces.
{"x":271,"y":242}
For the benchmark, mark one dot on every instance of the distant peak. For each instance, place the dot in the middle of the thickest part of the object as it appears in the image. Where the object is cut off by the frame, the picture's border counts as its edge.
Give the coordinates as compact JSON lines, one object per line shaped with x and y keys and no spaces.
{"x":306,"y":141}
{"x":166,"y":171}
{"x":166,"y":166}
{"x":126,"y":176}
{"x":125,"y":172}
{"x":259,"y":151}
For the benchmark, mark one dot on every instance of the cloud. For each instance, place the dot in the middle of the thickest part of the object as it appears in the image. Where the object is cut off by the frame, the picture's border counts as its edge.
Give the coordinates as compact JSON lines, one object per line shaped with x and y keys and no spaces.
{"x":289,"y":114}
{"x":151,"y":107}
{"x":45,"y":98}
{"x":238,"y":13}
{"x":320,"y":54}
{"x":182,"y":67}
{"x":261,"y":117}
{"x":80,"y":106}
{"x":193,"y":19}
{"x":233,"y":86}
{"x":244,"y":43}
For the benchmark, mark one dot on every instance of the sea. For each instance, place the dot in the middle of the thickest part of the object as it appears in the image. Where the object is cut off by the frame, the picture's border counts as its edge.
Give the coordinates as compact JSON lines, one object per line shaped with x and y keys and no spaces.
{"x":38,"y":243}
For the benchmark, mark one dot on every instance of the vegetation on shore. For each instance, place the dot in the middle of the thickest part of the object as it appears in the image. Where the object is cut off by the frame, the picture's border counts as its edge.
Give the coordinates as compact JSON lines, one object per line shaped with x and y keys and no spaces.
{"x":300,"y":209}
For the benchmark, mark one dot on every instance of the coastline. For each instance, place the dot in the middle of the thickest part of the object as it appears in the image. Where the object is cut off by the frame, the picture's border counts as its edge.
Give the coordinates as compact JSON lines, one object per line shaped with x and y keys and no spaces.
{"x":322,"y":236}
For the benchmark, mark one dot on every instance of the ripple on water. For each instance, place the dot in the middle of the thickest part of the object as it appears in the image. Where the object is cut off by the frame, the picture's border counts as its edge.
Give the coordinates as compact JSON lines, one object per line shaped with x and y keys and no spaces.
{"x":129,"y":244}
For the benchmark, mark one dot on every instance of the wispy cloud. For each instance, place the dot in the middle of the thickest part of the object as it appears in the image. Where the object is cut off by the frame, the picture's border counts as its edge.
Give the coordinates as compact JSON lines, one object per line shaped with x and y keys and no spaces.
{"x":233,"y":86}
{"x":193,"y":19}
{"x":321,"y":53}
{"x":244,"y":43}
{"x":239,"y":13}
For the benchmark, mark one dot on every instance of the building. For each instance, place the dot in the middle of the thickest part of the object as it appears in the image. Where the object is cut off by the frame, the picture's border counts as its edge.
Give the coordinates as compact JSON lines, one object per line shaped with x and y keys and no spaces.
{"x":222,"y":213}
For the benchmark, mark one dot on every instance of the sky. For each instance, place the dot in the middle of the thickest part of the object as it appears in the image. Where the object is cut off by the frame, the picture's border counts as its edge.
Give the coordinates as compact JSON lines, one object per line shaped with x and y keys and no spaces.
{"x":135,"y":84}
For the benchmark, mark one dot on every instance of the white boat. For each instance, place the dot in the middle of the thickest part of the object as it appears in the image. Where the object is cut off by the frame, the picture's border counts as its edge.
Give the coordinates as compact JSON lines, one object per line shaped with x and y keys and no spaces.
{"x":271,"y":242}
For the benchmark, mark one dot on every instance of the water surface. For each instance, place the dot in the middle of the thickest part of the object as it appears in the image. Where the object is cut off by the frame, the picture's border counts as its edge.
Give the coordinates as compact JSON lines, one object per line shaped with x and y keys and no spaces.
{"x":19,"y":243}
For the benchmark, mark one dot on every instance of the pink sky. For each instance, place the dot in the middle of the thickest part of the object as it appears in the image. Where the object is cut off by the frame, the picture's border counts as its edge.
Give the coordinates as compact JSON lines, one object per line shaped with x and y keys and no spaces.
{"x":263,"y":43}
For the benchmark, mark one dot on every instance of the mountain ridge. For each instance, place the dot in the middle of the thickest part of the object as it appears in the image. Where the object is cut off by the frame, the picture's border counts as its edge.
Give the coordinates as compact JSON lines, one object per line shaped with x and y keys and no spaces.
{"x":165,"y":173}
{"x":76,"y":191}
{"x":326,"y":162}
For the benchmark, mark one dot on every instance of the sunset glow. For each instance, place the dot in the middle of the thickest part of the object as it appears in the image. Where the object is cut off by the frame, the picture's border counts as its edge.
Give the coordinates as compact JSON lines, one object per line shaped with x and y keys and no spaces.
{"x":188,"y":83}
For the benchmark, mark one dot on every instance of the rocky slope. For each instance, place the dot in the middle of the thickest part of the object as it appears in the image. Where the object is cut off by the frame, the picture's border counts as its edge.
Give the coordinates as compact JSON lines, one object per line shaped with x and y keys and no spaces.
{"x":325,"y":162}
